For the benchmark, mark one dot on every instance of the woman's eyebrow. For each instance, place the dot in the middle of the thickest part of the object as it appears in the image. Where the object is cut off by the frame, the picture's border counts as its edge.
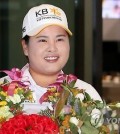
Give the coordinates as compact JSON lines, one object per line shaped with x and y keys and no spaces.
{"x":61,"y":35}
{"x":42,"y":36}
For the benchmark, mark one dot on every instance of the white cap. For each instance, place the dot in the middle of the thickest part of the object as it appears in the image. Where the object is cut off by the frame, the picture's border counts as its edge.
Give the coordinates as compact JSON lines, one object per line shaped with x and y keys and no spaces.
{"x":42,"y":16}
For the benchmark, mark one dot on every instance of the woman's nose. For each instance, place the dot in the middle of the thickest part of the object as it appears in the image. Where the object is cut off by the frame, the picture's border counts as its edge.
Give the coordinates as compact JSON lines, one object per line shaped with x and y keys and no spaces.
{"x":52,"y":46}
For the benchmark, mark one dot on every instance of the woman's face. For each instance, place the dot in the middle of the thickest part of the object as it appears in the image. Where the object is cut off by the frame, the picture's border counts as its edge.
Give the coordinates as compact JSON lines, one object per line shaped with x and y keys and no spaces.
{"x":48,"y":51}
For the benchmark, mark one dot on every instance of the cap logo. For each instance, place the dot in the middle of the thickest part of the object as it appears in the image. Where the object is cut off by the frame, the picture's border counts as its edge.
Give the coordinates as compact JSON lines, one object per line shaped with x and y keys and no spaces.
{"x":44,"y":14}
{"x":41,"y":12}
{"x":55,"y":11}
{"x":24,"y":29}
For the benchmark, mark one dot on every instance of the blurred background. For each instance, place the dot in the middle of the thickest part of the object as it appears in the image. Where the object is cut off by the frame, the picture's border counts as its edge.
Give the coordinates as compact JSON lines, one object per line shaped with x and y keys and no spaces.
{"x":95,"y":45}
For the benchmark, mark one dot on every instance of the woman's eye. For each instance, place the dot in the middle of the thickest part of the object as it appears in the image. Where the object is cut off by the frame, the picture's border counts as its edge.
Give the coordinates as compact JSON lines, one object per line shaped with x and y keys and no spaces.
{"x":42,"y":40}
{"x":60,"y":39}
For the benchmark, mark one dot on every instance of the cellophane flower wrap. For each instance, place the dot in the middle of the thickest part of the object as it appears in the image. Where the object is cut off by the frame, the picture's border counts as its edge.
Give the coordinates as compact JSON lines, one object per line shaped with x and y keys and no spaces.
{"x":12,"y":94}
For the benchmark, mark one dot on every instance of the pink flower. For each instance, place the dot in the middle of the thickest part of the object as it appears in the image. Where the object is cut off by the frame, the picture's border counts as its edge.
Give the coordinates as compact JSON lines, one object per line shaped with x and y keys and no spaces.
{"x":61,"y":78}
{"x":67,"y":109}
{"x":14,"y":74}
{"x":11,"y":88}
{"x":70,"y":78}
{"x":44,"y":98}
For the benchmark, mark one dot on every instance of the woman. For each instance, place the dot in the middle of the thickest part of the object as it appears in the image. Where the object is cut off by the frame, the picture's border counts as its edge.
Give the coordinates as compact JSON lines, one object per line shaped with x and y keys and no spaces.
{"x":45,"y":42}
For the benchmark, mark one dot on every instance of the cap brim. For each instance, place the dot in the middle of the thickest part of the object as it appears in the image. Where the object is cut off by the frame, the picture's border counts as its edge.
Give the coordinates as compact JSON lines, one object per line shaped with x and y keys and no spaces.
{"x":40,"y":28}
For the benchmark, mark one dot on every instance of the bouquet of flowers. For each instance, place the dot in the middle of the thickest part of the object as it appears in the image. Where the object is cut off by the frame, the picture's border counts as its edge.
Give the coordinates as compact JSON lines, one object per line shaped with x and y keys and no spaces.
{"x":75,"y":111}
{"x":29,"y":124}
{"x":13,"y":94}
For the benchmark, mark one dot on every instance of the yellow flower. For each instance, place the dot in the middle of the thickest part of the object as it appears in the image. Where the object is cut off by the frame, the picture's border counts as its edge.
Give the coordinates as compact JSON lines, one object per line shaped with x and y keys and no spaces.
{"x":30,"y":97}
{"x":3,"y":93}
{"x":52,"y":89}
{"x":57,"y":94}
{"x":51,"y":98}
{"x":2,"y":119}
{"x":76,"y":91}
{"x":17,"y":90}
{"x":3,"y":103}
{"x":65,"y":123}
{"x":62,"y":130}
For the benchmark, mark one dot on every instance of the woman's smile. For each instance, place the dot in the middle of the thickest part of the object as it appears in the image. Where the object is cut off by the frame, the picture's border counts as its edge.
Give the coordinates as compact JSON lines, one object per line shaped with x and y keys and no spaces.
{"x":51,"y":59}
{"x":48,"y":51}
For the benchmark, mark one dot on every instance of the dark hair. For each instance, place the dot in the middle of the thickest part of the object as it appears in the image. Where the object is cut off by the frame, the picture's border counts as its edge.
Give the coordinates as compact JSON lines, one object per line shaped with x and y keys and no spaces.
{"x":26,"y":38}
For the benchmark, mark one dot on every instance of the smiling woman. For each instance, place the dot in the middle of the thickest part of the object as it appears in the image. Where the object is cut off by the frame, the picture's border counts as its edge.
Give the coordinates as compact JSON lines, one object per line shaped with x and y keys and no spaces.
{"x":48,"y":53}
{"x":45,"y":43}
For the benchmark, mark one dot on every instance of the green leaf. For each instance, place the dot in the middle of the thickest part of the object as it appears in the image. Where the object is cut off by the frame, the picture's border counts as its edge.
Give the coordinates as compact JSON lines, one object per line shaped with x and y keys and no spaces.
{"x":71,"y":85}
{"x":83,"y":110}
{"x":61,"y":102}
{"x":77,"y":106}
{"x":87,"y":128}
{"x":100,"y":105}
{"x":5,"y":81}
{"x":85,"y":117}
{"x":73,"y":128}
{"x":87,"y":97}
{"x":65,"y":87}
{"x":1,"y":89}
{"x":2,"y":97}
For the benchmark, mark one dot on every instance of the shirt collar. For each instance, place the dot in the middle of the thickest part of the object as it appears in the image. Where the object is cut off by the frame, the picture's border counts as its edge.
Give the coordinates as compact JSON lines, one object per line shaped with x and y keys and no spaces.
{"x":27,"y":74}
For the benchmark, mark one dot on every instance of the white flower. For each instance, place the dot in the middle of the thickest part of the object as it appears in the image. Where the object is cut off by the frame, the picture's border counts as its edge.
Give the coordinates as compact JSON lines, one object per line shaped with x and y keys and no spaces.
{"x":15,"y":98}
{"x":118,"y":105}
{"x":74,"y":120}
{"x":50,"y":106}
{"x":95,"y":111}
{"x":108,"y":108}
{"x":80,"y":96}
{"x":79,"y":131}
{"x":113,"y":126}
{"x":116,"y":127}
{"x":5,"y":113}
{"x":22,"y":96}
{"x":114,"y":113}
{"x":96,"y":118}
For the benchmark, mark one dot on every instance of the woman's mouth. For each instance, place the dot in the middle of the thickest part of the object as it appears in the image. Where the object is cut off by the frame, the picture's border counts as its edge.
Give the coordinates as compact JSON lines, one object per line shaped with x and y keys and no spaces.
{"x":51,"y":58}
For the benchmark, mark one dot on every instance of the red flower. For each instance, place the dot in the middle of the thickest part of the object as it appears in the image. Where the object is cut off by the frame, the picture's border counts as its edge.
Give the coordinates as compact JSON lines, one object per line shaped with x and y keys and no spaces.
{"x":4,"y":87}
{"x":19,"y":131}
{"x":44,"y":98}
{"x":29,"y":124}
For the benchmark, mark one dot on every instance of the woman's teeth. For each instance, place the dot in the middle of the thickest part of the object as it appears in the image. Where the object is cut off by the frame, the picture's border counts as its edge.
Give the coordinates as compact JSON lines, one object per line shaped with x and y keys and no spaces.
{"x":51,"y":58}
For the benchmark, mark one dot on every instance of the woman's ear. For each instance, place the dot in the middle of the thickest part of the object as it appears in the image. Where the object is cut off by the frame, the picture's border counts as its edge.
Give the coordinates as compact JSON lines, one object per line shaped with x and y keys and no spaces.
{"x":25,"y":47}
